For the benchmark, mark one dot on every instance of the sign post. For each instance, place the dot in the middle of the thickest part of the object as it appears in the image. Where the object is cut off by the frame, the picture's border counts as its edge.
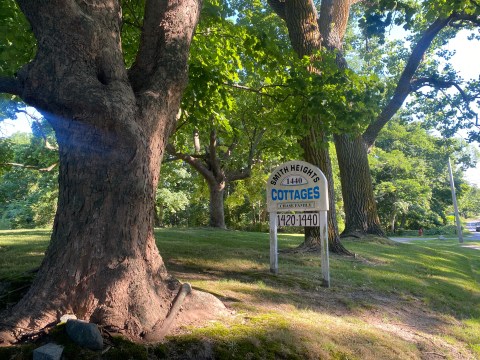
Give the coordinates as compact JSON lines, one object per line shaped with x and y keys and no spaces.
{"x":273,"y":243}
{"x":297,"y":195}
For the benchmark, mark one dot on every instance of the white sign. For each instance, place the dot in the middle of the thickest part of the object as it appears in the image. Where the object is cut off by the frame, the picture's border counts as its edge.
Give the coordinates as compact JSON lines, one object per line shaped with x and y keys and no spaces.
{"x":297,"y":186}
{"x":303,"y":219}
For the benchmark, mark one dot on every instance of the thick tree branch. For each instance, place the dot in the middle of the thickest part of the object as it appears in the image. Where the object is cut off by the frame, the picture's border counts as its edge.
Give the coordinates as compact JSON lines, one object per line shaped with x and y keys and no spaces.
{"x":78,"y":71}
{"x":300,"y":17}
{"x":10,"y":85}
{"x":32,"y":167}
{"x":164,"y":46}
{"x":245,"y":173}
{"x":333,"y":22}
{"x":438,"y":84}
{"x":303,"y":29}
{"x":213,"y":159}
{"x":239,"y":175}
{"x":459,"y":21}
{"x":404,"y":86}
{"x":230,"y":149}
{"x":278,"y":7}
{"x":194,"y":162}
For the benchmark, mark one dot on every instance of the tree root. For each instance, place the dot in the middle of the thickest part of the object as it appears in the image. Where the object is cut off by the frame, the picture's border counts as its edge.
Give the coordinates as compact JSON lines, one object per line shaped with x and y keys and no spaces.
{"x":160,"y":329}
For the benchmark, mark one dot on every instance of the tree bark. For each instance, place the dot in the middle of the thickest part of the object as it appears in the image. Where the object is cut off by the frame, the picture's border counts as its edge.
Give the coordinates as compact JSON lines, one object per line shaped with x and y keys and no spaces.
{"x":102,"y":263}
{"x":315,"y":147}
{"x":217,"y":213}
{"x":307,"y":32}
{"x":358,"y":199}
{"x":404,"y":86}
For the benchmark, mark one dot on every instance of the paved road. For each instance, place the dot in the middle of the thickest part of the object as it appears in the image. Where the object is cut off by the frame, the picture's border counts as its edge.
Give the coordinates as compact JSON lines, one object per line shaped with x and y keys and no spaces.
{"x":475,"y":236}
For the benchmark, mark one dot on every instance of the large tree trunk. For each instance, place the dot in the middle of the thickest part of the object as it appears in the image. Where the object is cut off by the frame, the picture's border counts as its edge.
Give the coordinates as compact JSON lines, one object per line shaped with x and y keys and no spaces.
{"x":358,"y":199}
{"x":111,"y":126}
{"x":357,"y":191}
{"x":217,"y":213}
{"x":307,"y":33}
{"x":102,"y":263}
{"x":315,"y":148}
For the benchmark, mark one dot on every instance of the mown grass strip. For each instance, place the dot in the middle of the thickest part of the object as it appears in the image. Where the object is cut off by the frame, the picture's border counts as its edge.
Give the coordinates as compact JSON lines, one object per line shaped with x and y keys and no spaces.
{"x":372,"y":298}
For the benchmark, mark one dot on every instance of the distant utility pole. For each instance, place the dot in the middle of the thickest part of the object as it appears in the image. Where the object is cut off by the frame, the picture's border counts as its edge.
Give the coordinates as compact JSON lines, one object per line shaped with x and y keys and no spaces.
{"x":455,"y":206}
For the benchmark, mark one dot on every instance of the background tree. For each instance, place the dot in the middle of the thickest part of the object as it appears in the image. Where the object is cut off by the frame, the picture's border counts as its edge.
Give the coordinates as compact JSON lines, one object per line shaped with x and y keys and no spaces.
{"x":211,"y":165}
{"x":470,"y":202}
{"x":309,"y":31}
{"x":329,"y":22}
{"x":432,"y":24}
{"x":28,"y":186}
{"x":229,"y":106}
{"x":409,"y":170}
{"x":111,"y":124}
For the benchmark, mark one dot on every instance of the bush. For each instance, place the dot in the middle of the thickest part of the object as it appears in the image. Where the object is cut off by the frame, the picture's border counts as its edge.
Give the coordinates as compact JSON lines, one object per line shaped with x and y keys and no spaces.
{"x":403,"y":232}
{"x":442,"y":230}
{"x":5,"y":224}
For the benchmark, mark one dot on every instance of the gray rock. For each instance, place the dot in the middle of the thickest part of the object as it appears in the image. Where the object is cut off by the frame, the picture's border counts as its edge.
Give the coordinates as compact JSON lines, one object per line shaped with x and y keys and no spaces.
{"x":84,"y":334}
{"x":50,"y":351}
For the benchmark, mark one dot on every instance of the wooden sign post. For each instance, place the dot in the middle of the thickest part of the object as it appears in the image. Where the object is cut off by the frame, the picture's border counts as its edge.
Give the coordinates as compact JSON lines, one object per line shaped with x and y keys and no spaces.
{"x":297,"y":195}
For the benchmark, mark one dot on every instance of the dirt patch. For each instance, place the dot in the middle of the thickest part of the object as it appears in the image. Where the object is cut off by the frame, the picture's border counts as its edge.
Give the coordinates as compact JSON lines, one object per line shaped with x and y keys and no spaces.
{"x":404,"y":317}
{"x":411,"y":321}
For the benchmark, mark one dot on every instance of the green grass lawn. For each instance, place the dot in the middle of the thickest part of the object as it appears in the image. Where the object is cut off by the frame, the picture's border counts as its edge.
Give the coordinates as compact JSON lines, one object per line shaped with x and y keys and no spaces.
{"x":405,"y":301}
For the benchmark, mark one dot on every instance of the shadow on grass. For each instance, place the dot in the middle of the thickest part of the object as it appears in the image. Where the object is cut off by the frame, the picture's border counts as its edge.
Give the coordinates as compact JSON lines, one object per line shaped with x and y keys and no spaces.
{"x":440,"y":278}
{"x":443,"y":275}
{"x":26,"y":232}
{"x":21,"y":252}
{"x":265,"y":336}
{"x":395,"y":280}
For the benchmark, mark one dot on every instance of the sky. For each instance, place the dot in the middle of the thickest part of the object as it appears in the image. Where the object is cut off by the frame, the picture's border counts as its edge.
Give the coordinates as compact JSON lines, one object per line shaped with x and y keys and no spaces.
{"x":465,"y":60}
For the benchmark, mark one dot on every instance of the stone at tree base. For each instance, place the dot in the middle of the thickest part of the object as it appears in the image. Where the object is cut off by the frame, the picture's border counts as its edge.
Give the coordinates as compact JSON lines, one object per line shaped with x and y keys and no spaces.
{"x":48,"y":352}
{"x":67,"y":317}
{"x":85,"y":334}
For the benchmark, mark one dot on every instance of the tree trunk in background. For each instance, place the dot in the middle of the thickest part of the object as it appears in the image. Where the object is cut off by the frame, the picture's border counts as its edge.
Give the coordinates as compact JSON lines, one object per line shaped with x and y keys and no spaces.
{"x":361,"y":215}
{"x":217,"y":213}
{"x":212,"y":167}
{"x":307,"y":33}
{"x":315,"y":147}
{"x":358,"y":199}
{"x":392,"y":221}
{"x":359,"y":204}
